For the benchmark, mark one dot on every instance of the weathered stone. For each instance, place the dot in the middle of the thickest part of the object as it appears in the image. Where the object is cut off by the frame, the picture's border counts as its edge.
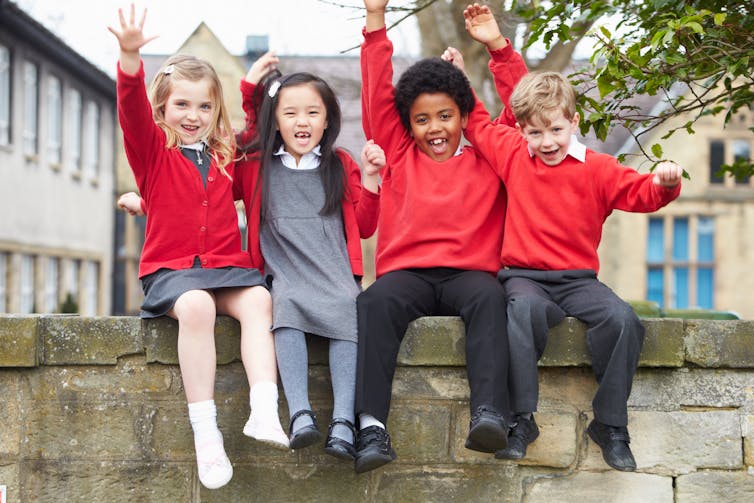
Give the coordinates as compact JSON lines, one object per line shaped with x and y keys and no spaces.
{"x":304,"y":482}
{"x":612,"y":486}
{"x":87,"y":430}
{"x":73,"y":340}
{"x":11,"y":415}
{"x":161,"y":340}
{"x":566,"y":345}
{"x":436,"y":340}
{"x":670,"y":389}
{"x":663,"y":343}
{"x":420,"y":431}
{"x":672,"y":443}
{"x":561,"y":387}
{"x":720,"y":343}
{"x":9,"y":478}
{"x":422,"y":484}
{"x":18,"y":338}
{"x":66,"y":480}
{"x":712,"y":487}
{"x":426,"y":383}
{"x":748,"y":432}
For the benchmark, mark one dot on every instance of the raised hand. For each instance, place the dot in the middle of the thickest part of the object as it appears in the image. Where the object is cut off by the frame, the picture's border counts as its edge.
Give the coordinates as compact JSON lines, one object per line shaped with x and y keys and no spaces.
{"x":130,"y":38}
{"x":372,"y":163}
{"x":131,"y":203}
{"x":375,"y":5}
{"x":482,"y":27}
{"x":454,"y":56}
{"x":667,"y":174}
{"x":261,"y":67}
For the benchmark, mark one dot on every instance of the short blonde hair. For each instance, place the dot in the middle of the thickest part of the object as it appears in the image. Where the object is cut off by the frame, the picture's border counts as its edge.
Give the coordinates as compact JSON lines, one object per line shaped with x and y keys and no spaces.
{"x":220,"y":138}
{"x":541,"y":92}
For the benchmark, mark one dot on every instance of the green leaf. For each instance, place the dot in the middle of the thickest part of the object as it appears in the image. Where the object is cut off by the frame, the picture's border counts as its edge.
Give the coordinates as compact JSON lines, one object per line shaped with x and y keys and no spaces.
{"x":657,"y":150}
{"x":720,"y":18}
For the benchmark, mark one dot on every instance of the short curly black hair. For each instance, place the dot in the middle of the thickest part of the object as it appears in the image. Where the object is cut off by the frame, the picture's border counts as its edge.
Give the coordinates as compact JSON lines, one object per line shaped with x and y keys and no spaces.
{"x":432,"y":75}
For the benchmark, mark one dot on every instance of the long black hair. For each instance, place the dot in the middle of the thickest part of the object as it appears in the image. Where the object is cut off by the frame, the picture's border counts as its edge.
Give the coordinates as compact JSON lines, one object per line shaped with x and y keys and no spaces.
{"x":268,"y":139}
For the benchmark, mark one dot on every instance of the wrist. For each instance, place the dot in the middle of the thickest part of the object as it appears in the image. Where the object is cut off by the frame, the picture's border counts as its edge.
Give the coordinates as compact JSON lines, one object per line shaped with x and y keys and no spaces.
{"x":497,"y":43}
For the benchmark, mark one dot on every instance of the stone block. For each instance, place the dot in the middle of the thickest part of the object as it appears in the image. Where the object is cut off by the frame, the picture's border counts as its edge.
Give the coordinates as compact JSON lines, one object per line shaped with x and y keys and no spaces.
{"x":9,"y":477}
{"x":285,"y":483}
{"x":427,"y":383}
{"x":712,"y":487}
{"x":720,"y":343}
{"x":10,"y":405}
{"x":663,"y":343}
{"x":748,"y":432}
{"x":420,"y":432}
{"x":565,"y":387}
{"x":19,"y":339}
{"x":668,"y":389}
{"x":74,"y":340}
{"x":673,"y":443}
{"x":436,"y":340}
{"x":566,"y":345}
{"x":161,"y":340}
{"x":87,"y":431}
{"x":65,"y":480}
{"x":437,"y":483}
{"x":612,"y":486}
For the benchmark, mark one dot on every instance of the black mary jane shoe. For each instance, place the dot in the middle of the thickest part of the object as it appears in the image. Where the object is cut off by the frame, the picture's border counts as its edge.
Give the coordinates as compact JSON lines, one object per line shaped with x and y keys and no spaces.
{"x":306,"y":435}
{"x":337,"y":447}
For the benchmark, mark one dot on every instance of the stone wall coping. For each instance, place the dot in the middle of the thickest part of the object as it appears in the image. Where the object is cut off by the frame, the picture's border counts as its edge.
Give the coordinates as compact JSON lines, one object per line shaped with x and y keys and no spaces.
{"x":36,"y":340}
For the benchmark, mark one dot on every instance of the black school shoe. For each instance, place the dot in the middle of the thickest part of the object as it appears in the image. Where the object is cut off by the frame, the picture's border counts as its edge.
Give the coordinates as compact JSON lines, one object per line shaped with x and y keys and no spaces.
{"x":373,"y":449}
{"x":523,"y":432}
{"x":306,"y":435}
{"x":336,"y":446}
{"x":613,"y":441}
{"x":488,"y":431}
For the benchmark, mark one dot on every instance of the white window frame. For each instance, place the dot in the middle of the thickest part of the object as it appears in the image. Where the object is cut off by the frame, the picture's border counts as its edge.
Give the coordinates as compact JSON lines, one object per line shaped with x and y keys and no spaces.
{"x":52,"y":284}
{"x":31,"y":109}
{"x":3,"y":282}
{"x":5,"y":102}
{"x":73,"y":141}
{"x":54,"y":120}
{"x":26,"y":285}
{"x":91,"y":146}
{"x":91,"y":289}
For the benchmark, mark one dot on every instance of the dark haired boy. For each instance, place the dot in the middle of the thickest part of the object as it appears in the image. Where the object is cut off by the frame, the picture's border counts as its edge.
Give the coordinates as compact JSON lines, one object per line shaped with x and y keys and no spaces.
{"x":439,"y":235}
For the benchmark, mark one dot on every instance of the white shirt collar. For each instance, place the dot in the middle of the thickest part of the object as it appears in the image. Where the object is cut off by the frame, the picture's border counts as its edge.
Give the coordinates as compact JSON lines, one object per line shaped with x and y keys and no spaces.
{"x":200,"y":146}
{"x":576,"y":149}
{"x":310,"y":160}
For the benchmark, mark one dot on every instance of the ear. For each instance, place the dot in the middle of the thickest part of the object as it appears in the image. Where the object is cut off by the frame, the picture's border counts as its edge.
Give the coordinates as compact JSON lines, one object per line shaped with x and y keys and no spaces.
{"x":520,"y":130}
{"x":575,"y":120}
{"x":464,"y":120}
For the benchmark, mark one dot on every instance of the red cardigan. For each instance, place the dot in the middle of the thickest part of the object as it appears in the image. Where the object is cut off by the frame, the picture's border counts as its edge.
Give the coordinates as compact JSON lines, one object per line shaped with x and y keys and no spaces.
{"x":185,"y":219}
{"x":360,"y":206}
{"x":433,"y":214}
{"x":555,"y":214}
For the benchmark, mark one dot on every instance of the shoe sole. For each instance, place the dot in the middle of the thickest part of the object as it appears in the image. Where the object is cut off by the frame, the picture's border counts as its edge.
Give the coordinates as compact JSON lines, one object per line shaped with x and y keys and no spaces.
{"x":487,"y":436}
{"x":306,"y":439}
{"x":369,"y":462}
{"x":340,"y":454}
{"x":593,"y":436}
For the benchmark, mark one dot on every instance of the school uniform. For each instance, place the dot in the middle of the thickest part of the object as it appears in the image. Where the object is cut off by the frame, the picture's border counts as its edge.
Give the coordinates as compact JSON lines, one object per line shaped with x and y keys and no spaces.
{"x":438,"y":241}
{"x":192,"y":239}
{"x":550,"y":262}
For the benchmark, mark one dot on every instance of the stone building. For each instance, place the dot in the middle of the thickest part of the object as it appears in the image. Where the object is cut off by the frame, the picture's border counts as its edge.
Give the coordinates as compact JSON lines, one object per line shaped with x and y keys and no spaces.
{"x":57,"y":152}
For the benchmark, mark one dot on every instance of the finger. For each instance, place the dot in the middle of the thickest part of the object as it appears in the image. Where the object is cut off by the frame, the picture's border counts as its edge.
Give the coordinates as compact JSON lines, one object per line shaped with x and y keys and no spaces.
{"x":133,"y":15}
{"x":121,"y":18}
{"x":143,"y":18}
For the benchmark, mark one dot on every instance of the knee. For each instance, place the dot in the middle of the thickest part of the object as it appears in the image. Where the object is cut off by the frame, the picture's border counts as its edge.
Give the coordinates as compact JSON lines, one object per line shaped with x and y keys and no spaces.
{"x":621,"y":319}
{"x":522,"y":304}
{"x":258,"y":300}
{"x":195,"y":307}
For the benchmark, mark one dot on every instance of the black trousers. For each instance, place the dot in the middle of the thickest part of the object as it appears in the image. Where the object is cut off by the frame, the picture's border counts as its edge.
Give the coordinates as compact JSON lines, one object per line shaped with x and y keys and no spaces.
{"x":386,"y":308}
{"x":539,"y":300}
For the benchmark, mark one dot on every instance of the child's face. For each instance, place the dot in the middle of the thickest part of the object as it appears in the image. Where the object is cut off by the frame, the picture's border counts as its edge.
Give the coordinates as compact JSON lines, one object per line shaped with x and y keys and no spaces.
{"x":550,"y":143}
{"x":190,"y":109}
{"x":301,"y":118}
{"x":436,"y":125}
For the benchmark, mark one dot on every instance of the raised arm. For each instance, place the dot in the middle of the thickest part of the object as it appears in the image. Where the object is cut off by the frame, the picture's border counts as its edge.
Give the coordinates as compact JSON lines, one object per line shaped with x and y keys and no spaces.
{"x":131,"y":39}
{"x":250,"y":98}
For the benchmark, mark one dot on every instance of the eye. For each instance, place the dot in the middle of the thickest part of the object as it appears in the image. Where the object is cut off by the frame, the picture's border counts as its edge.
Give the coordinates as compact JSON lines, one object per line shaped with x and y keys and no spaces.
{"x":180,"y":103}
{"x":207,"y":106}
{"x":445,"y":116}
{"x":420,"y":120}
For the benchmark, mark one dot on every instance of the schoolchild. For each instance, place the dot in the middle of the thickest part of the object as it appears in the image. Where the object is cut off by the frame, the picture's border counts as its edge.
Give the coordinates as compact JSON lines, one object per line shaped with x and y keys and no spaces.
{"x":438,"y":241}
{"x":307,"y":211}
{"x":180,"y":148}
{"x":559,"y":195}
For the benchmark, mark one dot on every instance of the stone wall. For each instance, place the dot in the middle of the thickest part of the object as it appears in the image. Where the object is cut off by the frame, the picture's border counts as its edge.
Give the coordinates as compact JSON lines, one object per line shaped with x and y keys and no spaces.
{"x":93,"y":410}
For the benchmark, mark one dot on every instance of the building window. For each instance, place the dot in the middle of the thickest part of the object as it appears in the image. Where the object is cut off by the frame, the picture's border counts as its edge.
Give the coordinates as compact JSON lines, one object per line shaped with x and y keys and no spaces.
{"x":31,"y":107}
{"x":741,"y":152}
{"x":91,"y":141}
{"x":91,"y":289}
{"x":716,"y":161}
{"x":4,"y":95}
{"x":54,"y":120}
{"x":3,"y":282}
{"x":73,"y":143}
{"x":72,"y":286}
{"x":26,"y":283}
{"x":681,"y":262}
{"x":52,"y":285}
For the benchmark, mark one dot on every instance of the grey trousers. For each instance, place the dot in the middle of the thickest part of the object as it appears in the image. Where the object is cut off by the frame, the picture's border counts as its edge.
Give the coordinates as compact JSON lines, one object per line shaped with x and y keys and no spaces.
{"x":539,"y":300}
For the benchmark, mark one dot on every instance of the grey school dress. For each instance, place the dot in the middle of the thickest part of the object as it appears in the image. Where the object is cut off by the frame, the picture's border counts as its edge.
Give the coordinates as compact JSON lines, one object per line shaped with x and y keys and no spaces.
{"x":163,"y":287}
{"x":313,"y":287}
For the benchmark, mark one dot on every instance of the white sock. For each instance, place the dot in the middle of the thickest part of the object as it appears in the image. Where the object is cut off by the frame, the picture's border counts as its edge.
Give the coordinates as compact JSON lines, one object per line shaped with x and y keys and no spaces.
{"x":213,"y":465}
{"x":263,"y":399}
{"x":264,"y":422}
{"x":366,"y":420}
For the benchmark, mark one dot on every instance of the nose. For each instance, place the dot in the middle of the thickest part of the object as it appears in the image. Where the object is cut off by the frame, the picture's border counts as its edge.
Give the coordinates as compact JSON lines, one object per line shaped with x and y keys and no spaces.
{"x":547,"y":140}
{"x":192,"y":114}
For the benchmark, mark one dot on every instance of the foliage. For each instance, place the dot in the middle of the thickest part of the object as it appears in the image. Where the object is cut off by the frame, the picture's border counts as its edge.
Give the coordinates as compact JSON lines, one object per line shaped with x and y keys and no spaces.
{"x":697,"y":55}
{"x":69,"y":305}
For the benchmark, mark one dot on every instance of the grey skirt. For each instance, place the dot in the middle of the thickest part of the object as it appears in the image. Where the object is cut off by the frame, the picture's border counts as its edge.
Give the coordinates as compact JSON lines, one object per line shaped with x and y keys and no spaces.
{"x":163,"y":287}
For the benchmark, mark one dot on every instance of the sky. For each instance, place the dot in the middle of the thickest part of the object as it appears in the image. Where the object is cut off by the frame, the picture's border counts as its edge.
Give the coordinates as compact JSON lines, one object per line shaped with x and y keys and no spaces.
{"x":294,"y":27}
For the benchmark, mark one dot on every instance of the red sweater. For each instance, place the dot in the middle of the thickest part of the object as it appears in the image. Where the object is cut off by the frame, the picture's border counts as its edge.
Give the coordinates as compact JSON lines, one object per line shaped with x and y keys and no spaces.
{"x":185,"y":219}
{"x":432,"y":214}
{"x":555,"y":214}
{"x":360,"y":206}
